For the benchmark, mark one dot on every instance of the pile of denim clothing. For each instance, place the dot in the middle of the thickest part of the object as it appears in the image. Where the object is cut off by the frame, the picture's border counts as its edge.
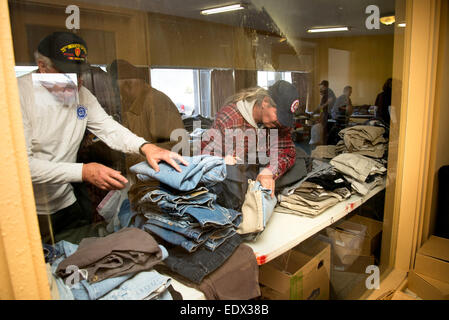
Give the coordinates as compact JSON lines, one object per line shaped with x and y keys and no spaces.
{"x":116,"y":267}
{"x":178,"y":206}
{"x":181,"y":210}
{"x":182,"y":213}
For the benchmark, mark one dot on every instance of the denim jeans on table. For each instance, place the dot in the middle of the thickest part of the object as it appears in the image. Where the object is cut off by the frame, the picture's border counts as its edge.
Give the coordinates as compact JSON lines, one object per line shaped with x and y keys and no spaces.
{"x":218,"y":216}
{"x":201,"y":169}
{"x":174,"y":238}
{"x":195,"y":266}
{"x":219,"y":237}
{"x":211,"y":239}
{"x":185,"y":226}
{"x":190,"y":230}
{"x":139,"y":287}
{"x":175,"y":202}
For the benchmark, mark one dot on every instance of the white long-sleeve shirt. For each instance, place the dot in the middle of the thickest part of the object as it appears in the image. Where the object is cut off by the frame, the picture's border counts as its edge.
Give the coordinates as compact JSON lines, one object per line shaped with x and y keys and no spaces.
{"x":53,"y":134}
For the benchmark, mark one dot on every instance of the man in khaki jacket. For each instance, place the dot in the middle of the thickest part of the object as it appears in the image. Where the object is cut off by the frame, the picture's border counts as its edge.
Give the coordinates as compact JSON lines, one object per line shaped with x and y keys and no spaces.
{"x":146,"y":111}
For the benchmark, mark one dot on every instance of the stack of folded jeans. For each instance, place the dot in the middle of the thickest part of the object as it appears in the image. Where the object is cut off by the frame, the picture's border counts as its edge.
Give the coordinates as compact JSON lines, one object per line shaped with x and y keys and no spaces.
{"x":124,"y":283}
{"x":181,"y":210}
{"x":321,"y":189}
{"x":311,"y":199}
{"x":364,"y":140}
{"x":362,"y":172}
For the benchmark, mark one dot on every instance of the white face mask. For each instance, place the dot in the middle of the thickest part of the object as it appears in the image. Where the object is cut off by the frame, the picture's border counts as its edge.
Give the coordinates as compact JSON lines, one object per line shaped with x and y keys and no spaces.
{"x":63,"y":87}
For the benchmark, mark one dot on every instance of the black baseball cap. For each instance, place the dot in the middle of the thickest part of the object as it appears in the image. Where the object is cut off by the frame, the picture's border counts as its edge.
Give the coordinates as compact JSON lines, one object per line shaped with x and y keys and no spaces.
{"x":66,"y":50}
{"x":286,"y":98}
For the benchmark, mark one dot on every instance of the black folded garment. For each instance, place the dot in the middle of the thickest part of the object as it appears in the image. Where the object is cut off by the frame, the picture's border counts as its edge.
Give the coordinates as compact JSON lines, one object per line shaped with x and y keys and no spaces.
{"x":198,"y":264}
{"x":331,"y":181}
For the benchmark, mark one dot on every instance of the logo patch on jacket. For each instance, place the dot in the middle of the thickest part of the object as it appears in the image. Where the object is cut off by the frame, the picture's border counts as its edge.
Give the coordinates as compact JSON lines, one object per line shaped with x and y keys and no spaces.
{"x":81,"y":112}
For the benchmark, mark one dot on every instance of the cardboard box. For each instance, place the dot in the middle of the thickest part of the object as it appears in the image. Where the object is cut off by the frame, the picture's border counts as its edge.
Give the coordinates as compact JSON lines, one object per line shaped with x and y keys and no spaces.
{"x":347,"y":238}
{"x":427,"y":288}
{"x":432,"y":259}
{"x":302,"y":273}
{"x":373,"y":236}
{"x":358,"y":266}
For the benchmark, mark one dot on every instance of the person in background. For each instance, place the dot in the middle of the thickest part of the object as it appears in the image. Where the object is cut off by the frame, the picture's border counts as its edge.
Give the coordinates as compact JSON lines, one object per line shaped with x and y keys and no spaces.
{"x":343,"y":105}
{"x":145,"y":111}
{"x":383,"y":102}
{"x":326,"y":104}
{"x":54,"y":128}
{"x":253,"y":109}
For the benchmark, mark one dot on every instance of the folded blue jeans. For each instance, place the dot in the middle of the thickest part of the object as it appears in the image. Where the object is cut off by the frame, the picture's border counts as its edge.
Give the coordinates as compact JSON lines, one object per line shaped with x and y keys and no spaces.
{"x":201,"y":169}
{"x":186,"y":227}
{"x":211,"y":239}
{"x":218,"y":216}
{"x":175,"y":202}
{"x":143,"y":286}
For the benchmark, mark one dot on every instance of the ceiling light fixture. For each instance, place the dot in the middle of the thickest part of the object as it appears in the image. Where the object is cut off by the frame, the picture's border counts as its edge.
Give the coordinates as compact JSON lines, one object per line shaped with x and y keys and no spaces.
{"x":328,"y":29}
{"x":387,"y":20}
{"x":222,"y":9}
{"x":401,"y":25}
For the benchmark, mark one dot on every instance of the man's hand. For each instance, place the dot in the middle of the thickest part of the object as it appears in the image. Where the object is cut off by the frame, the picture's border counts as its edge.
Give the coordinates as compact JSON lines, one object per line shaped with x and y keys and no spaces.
{"x":154,"y":155}
{"x":266,"y":179}
{"x":103,"y":177}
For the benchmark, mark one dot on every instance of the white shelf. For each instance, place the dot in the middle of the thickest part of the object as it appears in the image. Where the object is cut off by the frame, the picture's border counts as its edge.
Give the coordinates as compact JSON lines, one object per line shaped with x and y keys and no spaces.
{"x":285,"y":231}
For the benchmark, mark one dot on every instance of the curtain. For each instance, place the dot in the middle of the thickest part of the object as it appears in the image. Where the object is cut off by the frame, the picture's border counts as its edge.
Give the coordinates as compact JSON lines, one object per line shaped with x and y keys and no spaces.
{"x":222,"y":87}
{"x":245,"y":79}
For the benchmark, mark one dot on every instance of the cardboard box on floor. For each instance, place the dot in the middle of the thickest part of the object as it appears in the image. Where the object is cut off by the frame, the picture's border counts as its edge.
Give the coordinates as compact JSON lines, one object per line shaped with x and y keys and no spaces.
{"x":427,"y":288}
{"x":373,"y":235}
{"x":432,"y":259}
{"x":346,"y":238}
{"x":358,"y":266}
{"x":302,"y":273}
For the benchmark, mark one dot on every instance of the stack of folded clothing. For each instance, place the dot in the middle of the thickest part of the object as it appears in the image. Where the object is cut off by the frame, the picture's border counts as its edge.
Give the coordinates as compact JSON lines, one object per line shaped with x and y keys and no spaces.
{"x":180,"y":209}
{"x":365,"y":140}
{"x":317,"y":193}
{"x":362,"y":172}
{"x":199,"y":234}
{"x":116,"y":267}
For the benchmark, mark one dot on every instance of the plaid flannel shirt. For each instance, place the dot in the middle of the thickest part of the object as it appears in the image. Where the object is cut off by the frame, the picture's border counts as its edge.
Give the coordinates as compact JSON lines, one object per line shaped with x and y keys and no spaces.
{"x":232,"y":135}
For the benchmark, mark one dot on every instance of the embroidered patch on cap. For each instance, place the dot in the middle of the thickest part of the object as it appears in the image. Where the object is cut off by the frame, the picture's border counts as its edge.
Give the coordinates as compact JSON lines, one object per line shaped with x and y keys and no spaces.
{"x":81,"y":112}
{"x":294,"y":106}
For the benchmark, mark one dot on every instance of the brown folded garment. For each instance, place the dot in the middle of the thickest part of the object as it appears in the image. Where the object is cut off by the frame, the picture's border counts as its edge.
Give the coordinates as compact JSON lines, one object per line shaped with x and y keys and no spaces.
{"x":127,"y":251}
{"x":236,"y":279}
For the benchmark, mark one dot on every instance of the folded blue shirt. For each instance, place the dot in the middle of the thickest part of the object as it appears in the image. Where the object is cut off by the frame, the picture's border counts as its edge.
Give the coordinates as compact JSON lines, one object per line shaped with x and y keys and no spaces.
{"x":201,"y":169}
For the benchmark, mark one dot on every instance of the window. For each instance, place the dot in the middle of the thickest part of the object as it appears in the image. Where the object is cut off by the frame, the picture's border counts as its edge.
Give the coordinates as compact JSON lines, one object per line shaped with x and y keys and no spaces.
{"x":189,"y":89}
{"x":267,"y":78}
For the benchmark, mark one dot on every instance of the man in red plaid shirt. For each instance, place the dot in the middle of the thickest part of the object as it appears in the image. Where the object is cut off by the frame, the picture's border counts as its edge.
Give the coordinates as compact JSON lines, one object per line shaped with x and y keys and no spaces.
{"x":254,"y":127}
